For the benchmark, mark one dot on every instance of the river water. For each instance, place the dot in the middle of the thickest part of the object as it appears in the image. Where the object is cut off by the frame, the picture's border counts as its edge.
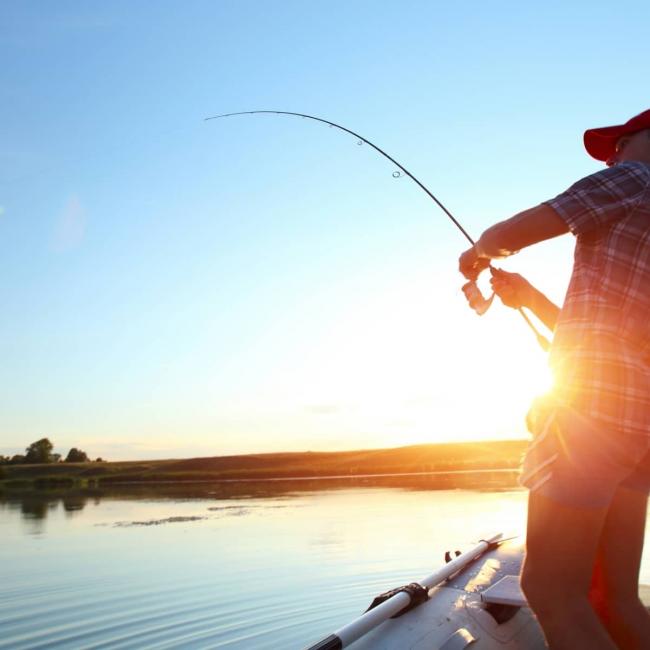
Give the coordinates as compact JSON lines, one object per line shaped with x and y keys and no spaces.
{"x":240,"y":566}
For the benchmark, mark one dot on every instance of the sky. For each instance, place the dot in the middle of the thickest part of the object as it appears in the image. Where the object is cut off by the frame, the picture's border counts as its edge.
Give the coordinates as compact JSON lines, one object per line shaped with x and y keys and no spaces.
{"x":173,"y":287}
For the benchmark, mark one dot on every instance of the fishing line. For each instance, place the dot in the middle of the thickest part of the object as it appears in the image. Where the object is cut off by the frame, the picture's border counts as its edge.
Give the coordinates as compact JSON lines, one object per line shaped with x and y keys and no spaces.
{"x":360,"y":139}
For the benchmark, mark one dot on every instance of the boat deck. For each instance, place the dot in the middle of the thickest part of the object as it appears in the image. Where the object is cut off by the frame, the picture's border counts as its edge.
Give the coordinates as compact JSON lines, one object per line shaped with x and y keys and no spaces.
{"x":482,"y":606}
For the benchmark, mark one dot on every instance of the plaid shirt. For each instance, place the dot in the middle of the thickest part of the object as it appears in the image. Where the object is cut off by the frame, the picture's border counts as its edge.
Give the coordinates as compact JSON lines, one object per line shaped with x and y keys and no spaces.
{"x":601,"y":349}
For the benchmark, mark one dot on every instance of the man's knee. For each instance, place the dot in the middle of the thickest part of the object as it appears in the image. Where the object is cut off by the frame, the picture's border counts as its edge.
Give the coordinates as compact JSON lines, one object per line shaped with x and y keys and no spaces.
{"x":545,"y":594}
{"x":535,"y":586}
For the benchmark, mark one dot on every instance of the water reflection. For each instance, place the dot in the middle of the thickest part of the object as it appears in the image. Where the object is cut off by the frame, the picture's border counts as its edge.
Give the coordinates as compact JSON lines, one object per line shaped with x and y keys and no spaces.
{"x":74,"y":503}
{"x":35,"y":505}
{"x":34,"y":508}
{"x":266,"y":564}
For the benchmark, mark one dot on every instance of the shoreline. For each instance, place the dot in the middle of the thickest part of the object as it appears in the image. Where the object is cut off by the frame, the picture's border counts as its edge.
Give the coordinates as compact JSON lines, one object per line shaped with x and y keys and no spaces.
{"x":436,"y":460}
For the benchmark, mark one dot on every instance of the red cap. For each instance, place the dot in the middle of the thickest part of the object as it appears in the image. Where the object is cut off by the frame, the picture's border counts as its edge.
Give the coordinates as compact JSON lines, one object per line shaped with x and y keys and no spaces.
{"x":601,"y":143}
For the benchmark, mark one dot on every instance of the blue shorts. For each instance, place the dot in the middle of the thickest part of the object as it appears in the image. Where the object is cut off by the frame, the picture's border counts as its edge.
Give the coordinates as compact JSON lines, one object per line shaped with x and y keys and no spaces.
{"x":579,"y":464}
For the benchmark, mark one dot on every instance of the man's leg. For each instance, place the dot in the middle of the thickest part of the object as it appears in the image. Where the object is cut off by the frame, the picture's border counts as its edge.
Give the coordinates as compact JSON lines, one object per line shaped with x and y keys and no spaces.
{"x":615,"y":587}
{"x":561,"y":546}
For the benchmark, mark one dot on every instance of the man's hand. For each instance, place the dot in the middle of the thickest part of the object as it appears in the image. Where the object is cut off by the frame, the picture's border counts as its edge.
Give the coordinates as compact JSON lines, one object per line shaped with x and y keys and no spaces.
{"x":513,"y":289}
{"x":470,"y":264}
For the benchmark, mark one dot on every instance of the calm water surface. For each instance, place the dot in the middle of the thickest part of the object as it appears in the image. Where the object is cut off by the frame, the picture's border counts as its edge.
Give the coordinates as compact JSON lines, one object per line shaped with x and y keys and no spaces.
{"x":240,"y":566}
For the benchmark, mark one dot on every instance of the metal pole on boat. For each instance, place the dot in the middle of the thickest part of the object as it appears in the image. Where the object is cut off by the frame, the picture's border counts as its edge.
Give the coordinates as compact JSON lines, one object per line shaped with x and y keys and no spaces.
{"x":349,"y":633}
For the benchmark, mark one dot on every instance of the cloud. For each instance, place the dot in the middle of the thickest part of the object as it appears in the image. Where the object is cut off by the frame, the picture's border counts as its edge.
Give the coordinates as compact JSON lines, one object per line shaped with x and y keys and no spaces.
{"x":70,"y":226}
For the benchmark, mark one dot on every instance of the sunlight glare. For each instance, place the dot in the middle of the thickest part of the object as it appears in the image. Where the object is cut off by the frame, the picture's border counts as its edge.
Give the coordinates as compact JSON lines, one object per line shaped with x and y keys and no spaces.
{"x":394,"y":368}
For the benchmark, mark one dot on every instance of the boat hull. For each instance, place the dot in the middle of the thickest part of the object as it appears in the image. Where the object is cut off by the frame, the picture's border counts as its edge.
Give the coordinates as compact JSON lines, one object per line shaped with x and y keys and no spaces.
{"x":457,"y":615}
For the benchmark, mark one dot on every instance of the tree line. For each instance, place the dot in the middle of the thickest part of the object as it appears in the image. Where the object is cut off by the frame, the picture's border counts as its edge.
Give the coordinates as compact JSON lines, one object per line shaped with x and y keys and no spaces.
{"x":42,"y":451}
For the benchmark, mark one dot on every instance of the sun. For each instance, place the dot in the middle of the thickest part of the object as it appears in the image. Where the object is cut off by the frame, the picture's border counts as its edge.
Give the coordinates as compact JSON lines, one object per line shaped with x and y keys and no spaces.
{"x":398,"y":370}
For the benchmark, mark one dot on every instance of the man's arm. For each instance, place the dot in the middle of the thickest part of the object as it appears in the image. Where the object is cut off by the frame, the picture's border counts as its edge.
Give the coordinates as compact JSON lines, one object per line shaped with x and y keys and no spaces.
{"x":509,"y":236}
{"x":526,"y":228}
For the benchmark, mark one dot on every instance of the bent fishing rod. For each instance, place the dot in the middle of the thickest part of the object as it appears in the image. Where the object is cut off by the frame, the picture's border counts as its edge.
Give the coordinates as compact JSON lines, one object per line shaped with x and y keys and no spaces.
{"x":544,"y":343}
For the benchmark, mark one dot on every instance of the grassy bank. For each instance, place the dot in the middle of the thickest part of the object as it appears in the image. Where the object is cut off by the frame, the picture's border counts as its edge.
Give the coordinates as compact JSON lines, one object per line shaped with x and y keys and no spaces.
{"x":412,"y":459}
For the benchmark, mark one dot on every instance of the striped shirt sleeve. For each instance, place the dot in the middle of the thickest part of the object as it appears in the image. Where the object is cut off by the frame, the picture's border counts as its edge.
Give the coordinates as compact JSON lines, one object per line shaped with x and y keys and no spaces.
{"x":602,"y":198}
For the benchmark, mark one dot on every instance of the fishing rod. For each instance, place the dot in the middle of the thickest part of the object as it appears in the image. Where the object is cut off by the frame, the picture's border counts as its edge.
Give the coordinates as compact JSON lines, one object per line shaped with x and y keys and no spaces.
{"x":470,"y":289}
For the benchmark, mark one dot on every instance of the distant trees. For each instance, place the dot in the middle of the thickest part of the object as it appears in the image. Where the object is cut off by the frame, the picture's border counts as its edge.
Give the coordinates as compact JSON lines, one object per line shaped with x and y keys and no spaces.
{"x":18,"y":459}
{"x":76,"y":456}
{"x":40,"y":452}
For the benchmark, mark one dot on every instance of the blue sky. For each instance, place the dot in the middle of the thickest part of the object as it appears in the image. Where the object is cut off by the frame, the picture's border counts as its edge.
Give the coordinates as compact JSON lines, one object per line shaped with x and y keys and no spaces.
{"x":175,"y":287}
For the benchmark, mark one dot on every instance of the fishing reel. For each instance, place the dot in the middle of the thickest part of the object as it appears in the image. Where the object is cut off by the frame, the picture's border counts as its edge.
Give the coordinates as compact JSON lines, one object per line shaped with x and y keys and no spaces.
{"x":477,"y":301}
{"x":480,"y":304}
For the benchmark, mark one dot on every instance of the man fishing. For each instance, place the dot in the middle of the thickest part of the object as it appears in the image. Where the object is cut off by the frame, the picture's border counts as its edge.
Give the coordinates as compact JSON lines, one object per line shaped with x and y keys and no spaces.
{"x":588,"y":466}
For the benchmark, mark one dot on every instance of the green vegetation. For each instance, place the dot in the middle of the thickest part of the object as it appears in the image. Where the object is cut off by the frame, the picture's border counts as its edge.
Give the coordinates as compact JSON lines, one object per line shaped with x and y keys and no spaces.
{"x":76,"y":456}
{"x":470,"y":456}
{"x":41,"y":453}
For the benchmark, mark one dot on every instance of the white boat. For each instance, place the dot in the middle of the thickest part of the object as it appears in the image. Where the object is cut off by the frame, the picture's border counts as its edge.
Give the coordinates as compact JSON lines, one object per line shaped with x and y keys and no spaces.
{"x":473,"y":601}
